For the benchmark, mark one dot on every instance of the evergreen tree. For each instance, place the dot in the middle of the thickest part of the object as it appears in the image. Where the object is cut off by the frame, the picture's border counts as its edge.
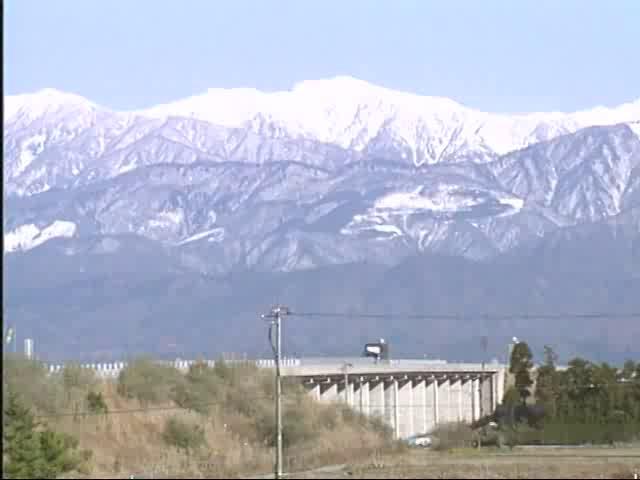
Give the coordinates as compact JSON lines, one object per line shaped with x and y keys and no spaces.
{"x":578,"y":381}
{"x":520,"y":367}
{"x":547,"y":384}
{"x":59,"y":454}
{"x":510,"y":401}
{"x":32,"y":451}
{"x":21,"y":442}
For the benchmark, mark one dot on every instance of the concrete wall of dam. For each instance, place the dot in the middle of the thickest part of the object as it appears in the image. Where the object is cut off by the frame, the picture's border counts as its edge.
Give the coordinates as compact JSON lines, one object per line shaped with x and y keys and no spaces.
{"x":411,"y":396}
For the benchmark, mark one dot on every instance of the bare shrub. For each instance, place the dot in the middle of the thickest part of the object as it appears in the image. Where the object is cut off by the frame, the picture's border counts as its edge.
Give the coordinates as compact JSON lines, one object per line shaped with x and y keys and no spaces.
{"x":149,"y":382}
{"x":453,"y":435}
{"x":29,"y":379}
{"x":183,"y":435}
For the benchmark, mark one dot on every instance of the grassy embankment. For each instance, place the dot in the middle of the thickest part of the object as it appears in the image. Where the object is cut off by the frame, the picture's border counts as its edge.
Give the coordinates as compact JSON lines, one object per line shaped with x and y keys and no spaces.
{"x":211,"y":422}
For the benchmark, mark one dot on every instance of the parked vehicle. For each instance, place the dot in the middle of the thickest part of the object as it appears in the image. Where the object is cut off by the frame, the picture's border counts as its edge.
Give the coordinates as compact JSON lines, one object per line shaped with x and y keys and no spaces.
{"x":424,"y":441}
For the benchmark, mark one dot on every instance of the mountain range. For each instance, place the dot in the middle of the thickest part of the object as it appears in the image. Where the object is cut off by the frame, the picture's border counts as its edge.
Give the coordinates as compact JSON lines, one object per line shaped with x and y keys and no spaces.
{"x":333,"y":179}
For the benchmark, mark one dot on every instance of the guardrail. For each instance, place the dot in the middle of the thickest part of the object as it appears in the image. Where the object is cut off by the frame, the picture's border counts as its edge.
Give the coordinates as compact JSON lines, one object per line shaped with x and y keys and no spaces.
{"x":112,"y":370}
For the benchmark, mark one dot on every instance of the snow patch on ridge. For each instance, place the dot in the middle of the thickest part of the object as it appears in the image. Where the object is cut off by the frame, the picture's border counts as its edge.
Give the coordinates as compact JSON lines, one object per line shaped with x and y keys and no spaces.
{"x":215,"y":235}
{"x":444,"y":199}
{"x":29,"y":151}
{"x":169,"y":218}
{"x":635,"y":127}
{"x":30,"y":236}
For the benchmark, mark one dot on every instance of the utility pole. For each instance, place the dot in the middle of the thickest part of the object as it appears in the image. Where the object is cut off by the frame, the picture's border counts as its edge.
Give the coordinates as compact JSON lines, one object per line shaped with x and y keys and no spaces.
{"x":275,"y":316}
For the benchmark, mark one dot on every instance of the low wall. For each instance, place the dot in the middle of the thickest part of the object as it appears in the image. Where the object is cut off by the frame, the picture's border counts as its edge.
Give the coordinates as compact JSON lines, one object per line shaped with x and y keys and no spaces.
{"x":112,"y":370}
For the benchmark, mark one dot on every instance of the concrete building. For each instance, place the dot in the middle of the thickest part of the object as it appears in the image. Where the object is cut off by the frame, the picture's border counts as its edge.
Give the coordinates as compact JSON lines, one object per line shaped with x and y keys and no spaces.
{"x":411,"y":396}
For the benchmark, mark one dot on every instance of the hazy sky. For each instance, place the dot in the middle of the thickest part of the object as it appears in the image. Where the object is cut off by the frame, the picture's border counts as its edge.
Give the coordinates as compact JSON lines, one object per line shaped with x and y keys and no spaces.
{"x":494,"y":55}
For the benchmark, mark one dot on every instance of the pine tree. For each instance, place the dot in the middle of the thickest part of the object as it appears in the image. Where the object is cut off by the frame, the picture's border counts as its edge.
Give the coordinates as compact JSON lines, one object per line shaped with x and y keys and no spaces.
{"x":58,"y":454}
{"x":521,"y":365}
{"x":32,"y":451}
{"x":21,"y":441}
{"x":547,"y":384}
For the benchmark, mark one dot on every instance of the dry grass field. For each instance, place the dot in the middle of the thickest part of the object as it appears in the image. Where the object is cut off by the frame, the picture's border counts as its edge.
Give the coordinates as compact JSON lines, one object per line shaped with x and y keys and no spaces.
{"x":130,"y":441}
{"x":613,"y":463}
{"x":233,"y":436}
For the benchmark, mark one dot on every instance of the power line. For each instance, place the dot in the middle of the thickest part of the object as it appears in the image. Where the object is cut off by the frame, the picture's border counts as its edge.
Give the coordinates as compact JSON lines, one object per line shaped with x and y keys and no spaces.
{"x":486,"y":316}
{"x":141,"y":409}
{"x":354,"y":405}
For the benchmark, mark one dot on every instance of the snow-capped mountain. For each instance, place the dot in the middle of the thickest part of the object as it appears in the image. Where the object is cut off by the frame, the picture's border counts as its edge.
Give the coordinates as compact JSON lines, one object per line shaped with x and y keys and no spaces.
{"x":357,"y":115}
{"x":333,"y":171}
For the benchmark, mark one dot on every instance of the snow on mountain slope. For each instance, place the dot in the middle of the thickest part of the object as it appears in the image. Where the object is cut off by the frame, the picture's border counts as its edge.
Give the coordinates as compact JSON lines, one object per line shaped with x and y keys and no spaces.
{"x":50,"y":137}
{"x":62,"y":147}
{"x":57,"y":140}
{"x":351,"y":113}
{"x":333,"y":171}
{"x":635,"y":127}
{"x":30,"y":236}
{"x":585,"y":176}
{"x":26,"y":108}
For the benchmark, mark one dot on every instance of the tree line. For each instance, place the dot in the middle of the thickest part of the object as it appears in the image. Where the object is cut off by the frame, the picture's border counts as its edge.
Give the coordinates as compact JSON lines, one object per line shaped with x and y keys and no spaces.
{"x":586,"y":402}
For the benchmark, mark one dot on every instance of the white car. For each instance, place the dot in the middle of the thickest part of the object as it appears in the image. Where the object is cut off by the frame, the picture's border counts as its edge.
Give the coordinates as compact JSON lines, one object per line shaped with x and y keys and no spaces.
{"x":424,"y":441}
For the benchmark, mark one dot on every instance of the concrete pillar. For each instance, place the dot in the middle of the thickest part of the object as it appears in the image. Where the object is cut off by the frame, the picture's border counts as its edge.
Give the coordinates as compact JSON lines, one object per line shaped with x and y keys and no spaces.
{"x":345,"y":391}
{"x":488,"y":395}
{"x":420,"y":406}
{"x":342,"y":391}
{"x":451,"y":400}
{"x":430,"y":411}
{"x":377,"y":398}
{"x":363,"y":396}
{"x":405,"y":414}
{"x":500,"y":385}
{"x":445,"y":406}
{"x":391,"y":403}
{"x":396,"y":412}
{"x":468,"y":404}
{"x":314,"y":389}
{"x":458,"y":390}
{"x":436,"y":402}
{"x":475,"y":399}
{"x":351,"y":393}
{"x":329,"y":392}
{"x":443,"y":398}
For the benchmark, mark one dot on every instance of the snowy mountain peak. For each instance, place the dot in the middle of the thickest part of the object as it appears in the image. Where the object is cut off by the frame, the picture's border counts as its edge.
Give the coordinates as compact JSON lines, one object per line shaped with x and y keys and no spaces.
{"x":341,"y":86}
{"x":30,"y":106}
{"x":355,"y":114}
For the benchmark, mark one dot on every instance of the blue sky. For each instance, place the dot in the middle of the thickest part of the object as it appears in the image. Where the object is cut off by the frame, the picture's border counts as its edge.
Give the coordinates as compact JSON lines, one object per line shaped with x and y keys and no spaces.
{"x":506,"y":56}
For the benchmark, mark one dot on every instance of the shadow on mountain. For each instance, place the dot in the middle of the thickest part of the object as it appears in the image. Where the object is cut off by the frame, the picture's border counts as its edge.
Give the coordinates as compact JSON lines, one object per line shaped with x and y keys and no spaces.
{"x":106,"y":298}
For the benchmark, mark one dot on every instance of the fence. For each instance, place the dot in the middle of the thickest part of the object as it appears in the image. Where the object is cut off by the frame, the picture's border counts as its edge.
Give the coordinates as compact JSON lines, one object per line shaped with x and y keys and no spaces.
{"x":112,"y":370}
